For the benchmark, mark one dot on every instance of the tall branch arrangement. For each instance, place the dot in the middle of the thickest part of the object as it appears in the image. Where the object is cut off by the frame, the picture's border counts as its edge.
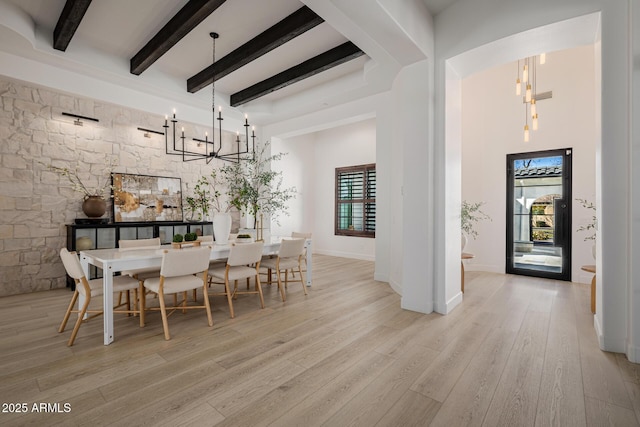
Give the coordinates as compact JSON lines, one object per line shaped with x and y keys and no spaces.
{"x":470,"y":213}
{"x":591,"y":226}
{"x":103,"y":185}
{"x":254,"y":188}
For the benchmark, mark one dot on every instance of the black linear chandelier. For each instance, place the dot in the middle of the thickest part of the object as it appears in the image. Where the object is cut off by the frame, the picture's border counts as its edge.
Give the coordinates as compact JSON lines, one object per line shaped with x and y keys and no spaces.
{"x":209,"y":152}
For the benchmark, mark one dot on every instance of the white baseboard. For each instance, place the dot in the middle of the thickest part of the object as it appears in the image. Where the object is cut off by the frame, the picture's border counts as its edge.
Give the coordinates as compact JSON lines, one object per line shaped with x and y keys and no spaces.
{"x":633,"y":353}
{"x":449,"y":305}
{"x":482,"y":267}
{"x":598,"y":328}
{"x":351,"y":255}
{"x":397,"y":287}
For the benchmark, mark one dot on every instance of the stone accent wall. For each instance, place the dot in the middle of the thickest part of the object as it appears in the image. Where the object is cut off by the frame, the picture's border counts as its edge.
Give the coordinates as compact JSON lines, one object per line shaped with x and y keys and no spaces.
{"x":36,"y":203}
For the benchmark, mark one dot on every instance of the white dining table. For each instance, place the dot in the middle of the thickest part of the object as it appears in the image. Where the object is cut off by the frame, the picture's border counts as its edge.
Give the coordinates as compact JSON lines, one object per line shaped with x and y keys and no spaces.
{"x":115,"y":260}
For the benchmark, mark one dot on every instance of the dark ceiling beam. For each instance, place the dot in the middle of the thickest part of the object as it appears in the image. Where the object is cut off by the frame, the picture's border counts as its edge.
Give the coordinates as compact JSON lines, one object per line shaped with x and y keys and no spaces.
{"x":290,"y":27}
{"x":68,"y":23}
{"x":179,"y":26}
{"x":329,"y":59}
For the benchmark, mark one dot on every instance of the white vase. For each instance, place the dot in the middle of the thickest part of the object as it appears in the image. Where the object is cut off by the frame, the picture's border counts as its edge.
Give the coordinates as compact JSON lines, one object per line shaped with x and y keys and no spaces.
{"x":463,"y":238}
{"x":221,"y":227}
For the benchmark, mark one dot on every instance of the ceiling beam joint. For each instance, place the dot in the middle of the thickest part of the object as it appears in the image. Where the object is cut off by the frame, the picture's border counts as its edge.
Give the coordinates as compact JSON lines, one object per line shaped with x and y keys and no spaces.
{"x":68,"y":23}
{"x":329,"y":59}
{"x":192,"y":14}
{"x":290,"y":27}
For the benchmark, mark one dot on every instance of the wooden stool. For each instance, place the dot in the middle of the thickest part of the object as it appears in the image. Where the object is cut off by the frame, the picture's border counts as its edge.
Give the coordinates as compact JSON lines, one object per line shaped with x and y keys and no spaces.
{"x":592,"y":269}
{"x":465,"y":255}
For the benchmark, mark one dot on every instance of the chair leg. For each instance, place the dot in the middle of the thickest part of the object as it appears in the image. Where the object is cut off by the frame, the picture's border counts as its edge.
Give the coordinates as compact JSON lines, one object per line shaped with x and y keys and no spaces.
{"x":184,"y":302}
{"x":280,"y":287}
{"x":207,"y":305}
{"x":195,"y":295}
{"x":74,"y":298}
{"x":259,"y":289}
{"x":304,"y":285}
{"x":141,"y":302}
{"x":87,"y":300}
{"x":163,"y":311}
{"x":229,"y":299}
{"x":286,"y":279}
{"x":128,"y":296}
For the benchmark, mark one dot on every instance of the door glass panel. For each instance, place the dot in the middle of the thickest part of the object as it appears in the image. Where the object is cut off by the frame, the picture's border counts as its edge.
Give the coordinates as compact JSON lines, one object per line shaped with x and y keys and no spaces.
{"x":538,"y":197}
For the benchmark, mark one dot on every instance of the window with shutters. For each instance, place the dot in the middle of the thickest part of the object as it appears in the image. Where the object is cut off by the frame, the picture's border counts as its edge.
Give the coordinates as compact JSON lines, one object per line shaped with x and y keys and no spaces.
{"x":356,"y":201}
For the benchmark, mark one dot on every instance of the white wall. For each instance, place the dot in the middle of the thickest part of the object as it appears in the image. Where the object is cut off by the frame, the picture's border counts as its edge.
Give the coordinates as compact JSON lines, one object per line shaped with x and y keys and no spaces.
{"x":492,"y":127}
{"x":310,"y":167}
{"x":298,"y":170}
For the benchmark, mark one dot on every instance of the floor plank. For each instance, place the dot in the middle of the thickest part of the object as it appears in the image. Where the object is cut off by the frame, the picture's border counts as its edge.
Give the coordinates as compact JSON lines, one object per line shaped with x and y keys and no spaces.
{"x":517,"y":351}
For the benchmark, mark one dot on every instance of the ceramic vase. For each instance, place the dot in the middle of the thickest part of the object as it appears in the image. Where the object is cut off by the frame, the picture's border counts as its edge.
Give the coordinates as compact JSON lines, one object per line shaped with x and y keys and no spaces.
{"x":94,"y":206}
{"x":221,"y":227}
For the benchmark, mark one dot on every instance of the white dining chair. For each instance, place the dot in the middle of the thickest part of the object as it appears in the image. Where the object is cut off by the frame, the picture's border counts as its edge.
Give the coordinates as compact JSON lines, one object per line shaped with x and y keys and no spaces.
{"x":243,"y":263}
{"x":182,"y":270}
{"x":289,"y":257}
{"x":93,"y":288}
{"x":141,"y":273}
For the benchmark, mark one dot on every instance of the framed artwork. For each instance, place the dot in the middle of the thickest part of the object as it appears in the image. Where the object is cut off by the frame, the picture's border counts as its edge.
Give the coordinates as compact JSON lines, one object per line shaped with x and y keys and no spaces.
{"x":145,"y":198}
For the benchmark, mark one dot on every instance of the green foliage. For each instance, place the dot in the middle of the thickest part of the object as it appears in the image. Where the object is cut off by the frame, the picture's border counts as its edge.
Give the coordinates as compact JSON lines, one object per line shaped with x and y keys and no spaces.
{"x":177,"y":238}
{"x":198,"y":202}
{"x":470,"y":214}
{"x":190,"y":237}
{"x":591,"y":226}
{"x":255,"y":188}
{"x":209,"y":192}
{"x":541,"y":235}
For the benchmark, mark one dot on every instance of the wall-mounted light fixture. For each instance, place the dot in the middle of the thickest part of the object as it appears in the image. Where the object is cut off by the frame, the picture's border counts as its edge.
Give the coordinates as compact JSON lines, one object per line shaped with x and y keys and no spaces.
{"x":147,"y":132}
{"x":79,"y":118}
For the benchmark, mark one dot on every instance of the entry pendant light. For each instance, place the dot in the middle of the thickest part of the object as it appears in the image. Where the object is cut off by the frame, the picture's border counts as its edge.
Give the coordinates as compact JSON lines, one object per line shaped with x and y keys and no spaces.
{"x":529,"y":78}
{"x":212,"y":148}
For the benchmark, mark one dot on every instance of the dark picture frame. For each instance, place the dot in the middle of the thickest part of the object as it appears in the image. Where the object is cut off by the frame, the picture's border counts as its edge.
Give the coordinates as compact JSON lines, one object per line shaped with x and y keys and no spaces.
{"x":146,"y":198}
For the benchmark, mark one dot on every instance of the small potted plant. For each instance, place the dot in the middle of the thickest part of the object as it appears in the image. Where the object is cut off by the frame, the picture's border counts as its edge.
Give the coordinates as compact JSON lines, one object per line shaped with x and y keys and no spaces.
{"x":244,"y":238}
{"x":470,"y":214}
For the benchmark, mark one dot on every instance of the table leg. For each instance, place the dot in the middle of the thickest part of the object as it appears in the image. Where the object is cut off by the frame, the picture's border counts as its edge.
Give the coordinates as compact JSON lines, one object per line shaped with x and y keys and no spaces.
{"x":462,"y":276}
{"x":107,"y":303}
{"x":307,"y":245}
{"x":84,"y":262}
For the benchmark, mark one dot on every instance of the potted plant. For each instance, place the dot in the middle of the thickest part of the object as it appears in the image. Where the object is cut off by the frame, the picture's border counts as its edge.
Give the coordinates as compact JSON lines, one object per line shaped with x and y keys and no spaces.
{"x":254,"y":188}
{"x":470,"y":214}
{"x":94,"y":203}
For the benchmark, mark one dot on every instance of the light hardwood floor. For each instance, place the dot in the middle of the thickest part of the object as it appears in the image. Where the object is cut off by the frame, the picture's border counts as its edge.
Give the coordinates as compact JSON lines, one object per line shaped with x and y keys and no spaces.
{"x":518,"y":351}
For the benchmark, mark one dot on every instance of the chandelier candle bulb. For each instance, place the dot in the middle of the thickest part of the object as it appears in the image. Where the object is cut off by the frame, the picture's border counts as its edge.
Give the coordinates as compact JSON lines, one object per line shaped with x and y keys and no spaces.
{"x":528,"y":94}
{"x":535,"y":122}
{"x":525,"y":74}
{"x":526,"y":133}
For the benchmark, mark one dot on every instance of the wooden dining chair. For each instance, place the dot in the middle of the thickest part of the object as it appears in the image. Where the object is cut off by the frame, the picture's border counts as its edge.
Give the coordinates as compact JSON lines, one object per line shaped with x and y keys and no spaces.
{"x":93,"y":288}
{"x":182,"y":270}
{"x":141,"y":273}
{"x":298,"y":235}
{"x":243,"y":263}
{"x":289,"y":257}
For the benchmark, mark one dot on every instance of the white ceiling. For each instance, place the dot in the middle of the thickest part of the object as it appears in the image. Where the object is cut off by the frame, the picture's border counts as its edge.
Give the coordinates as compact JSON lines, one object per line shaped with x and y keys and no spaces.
{"x":113,"y":31}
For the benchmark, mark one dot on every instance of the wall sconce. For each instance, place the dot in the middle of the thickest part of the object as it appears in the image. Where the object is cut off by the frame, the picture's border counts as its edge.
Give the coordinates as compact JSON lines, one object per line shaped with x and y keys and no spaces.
{"x":78,"y":118}
{"x":147,"y":132}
